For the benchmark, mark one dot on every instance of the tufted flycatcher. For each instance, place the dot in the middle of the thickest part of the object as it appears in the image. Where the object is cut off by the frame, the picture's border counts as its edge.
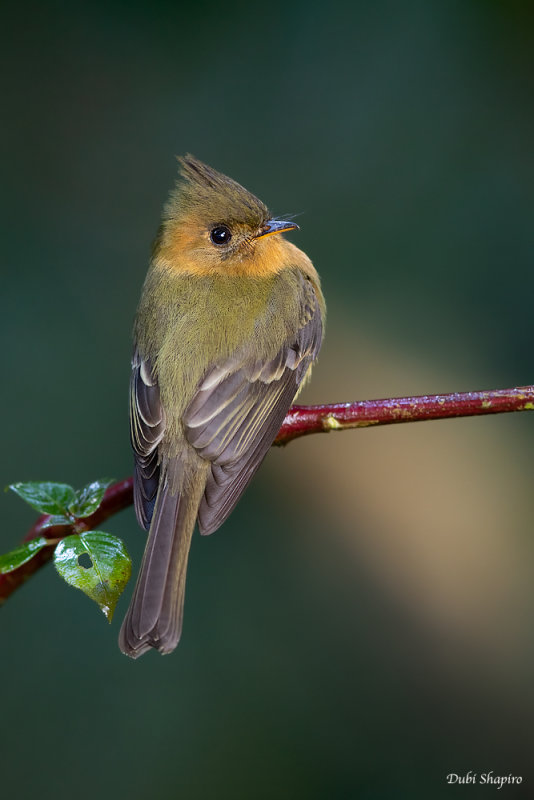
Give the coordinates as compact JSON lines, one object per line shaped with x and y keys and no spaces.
{"x":229,"y":323}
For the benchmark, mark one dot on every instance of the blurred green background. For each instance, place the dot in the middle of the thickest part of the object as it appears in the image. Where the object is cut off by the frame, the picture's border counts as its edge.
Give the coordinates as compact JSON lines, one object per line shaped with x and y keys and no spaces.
{"x":361,"y":627}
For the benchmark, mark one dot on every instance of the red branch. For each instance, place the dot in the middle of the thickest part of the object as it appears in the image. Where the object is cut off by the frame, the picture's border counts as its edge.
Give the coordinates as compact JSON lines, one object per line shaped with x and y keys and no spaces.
{"x":300,"y":421}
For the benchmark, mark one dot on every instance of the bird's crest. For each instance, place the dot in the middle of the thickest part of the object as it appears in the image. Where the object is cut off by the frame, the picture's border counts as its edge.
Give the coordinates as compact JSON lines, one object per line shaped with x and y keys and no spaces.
{"x":213,"y":197}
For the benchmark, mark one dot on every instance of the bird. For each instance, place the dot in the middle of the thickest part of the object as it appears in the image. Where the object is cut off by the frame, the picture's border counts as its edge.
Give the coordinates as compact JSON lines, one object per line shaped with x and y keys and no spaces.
{"x":229,"y":324}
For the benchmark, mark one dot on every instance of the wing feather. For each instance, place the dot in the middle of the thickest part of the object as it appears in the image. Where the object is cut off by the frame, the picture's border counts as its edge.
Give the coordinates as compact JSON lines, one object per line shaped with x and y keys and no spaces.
{"x":239,"y":407}
{"x":147,"y":425}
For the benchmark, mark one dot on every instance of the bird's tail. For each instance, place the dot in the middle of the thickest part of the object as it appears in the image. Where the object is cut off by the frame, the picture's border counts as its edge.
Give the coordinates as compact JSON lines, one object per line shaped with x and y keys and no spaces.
{"x":154,"y":618}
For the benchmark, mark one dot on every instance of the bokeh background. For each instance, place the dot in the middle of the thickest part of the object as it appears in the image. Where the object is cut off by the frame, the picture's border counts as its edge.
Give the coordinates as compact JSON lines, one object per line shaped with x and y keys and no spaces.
{"x":362,"y":626}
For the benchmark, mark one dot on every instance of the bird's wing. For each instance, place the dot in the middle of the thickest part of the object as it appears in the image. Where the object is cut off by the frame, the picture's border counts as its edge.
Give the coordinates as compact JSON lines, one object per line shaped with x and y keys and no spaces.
{"x":147,"y":425}
{"x":239,"y":407}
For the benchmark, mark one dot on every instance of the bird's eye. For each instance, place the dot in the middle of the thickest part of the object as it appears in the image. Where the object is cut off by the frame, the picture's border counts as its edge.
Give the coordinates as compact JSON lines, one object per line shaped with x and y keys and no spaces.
{"x":221,"y":234}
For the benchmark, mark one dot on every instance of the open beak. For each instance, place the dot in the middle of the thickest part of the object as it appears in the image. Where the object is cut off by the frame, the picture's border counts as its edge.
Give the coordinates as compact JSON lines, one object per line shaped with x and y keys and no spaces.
{"x":276,"y":226}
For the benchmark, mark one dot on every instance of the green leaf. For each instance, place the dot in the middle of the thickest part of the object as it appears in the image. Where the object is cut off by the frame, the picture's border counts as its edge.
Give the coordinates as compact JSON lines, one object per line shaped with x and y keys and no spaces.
{"x":89,"y":498}
{"x":49,"y":498}
{"x":96,"y":563}
{"x":54,"y":520}
{"x":16,"y":558}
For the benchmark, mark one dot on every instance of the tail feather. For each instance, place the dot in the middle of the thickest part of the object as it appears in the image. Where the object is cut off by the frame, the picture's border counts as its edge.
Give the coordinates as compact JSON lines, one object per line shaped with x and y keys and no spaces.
{"x":154,"y":617}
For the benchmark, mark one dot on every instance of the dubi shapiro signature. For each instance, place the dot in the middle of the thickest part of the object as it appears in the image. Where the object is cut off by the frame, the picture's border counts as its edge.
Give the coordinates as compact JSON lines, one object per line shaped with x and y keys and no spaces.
{"x":484,"y":777}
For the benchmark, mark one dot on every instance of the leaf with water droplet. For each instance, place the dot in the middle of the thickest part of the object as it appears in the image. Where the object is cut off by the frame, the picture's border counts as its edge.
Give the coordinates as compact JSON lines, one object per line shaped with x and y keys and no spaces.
{"x":16,"y":558}
{"x":89,"y":498}
{"x":55,"y":521}
{"x":44,"y":496}
{"x":98,"y":564}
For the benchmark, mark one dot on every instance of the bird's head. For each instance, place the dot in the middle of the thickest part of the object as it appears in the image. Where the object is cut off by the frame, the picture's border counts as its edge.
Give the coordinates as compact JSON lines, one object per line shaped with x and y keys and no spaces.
{"x":212,"y":224}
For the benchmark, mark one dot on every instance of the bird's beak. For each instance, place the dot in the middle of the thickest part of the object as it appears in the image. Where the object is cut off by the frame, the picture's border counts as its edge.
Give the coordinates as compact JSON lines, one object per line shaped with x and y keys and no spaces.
{"x":276,"y":226}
